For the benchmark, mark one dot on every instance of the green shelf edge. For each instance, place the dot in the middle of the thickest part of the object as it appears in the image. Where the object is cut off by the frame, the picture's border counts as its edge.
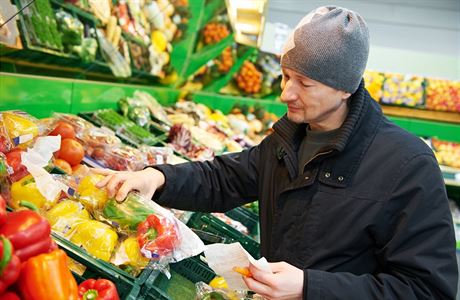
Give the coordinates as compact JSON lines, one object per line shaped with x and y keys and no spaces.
{"x":443,"y":131}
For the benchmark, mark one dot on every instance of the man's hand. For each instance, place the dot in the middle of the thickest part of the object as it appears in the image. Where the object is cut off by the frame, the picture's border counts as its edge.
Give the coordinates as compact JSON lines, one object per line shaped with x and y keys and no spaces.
{"x":119,"y":184}
{"x":286,"y":282}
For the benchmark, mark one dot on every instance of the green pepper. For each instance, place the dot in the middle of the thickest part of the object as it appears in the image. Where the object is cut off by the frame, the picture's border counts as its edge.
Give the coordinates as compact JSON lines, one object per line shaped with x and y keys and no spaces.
{"x":127,"y":215}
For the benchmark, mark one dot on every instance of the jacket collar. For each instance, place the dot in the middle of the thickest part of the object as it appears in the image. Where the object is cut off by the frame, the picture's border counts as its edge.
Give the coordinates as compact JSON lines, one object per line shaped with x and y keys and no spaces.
{"x":352,"y":140}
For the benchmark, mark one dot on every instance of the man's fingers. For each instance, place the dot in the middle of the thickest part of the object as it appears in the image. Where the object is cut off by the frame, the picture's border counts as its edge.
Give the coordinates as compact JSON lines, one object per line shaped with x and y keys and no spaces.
{"x":261,"y":276}
{"x":101,"y":171}
{"x":256,"y":286}
{"x":125,"y":188}
{"x":103,"y":182}
{"x":113,"y":184}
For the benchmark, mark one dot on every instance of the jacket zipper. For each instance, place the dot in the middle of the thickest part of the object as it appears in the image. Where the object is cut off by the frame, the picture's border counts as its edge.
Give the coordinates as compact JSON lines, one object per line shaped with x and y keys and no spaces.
{"x":315,"y":156}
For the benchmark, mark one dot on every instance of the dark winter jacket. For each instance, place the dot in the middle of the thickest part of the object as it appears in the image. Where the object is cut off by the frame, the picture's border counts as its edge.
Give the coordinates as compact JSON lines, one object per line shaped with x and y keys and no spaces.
{"x":368,"y":219}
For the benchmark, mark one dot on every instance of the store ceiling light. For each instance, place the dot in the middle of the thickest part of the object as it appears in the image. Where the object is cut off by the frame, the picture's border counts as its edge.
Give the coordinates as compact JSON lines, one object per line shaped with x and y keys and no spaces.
{"x":247,"y":18}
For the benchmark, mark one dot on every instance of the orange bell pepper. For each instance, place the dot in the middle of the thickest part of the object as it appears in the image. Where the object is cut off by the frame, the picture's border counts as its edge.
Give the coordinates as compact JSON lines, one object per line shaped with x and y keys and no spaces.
{"x":47,"y":276}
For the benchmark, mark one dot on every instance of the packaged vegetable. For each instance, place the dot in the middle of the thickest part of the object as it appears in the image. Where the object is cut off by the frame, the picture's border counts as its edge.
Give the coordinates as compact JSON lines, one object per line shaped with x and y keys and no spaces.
{"x":128,"y":256}
{"x":206,"y":292}
{"x":65,"y":216}
{"x":26,"y":190}
{"x":89,"y":195}
{"x":127,"y":215}
{"x":20,"y":128}
{"x":70,"y":27}
{"x":157,"y":236}
{"x":97,"y":238}
{"x":161,"y":237}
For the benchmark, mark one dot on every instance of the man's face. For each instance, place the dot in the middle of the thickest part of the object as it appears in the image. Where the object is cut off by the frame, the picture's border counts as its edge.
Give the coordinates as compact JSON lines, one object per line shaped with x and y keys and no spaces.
{"x":312,"y":102}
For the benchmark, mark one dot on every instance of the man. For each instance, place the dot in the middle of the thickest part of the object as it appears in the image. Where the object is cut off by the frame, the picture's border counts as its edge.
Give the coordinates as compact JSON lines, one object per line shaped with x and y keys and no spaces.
{"x":351,"y":206}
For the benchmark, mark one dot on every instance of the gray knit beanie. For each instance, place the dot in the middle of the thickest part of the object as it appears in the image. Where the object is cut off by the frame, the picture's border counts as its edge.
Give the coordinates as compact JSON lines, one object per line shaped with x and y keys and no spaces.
{"x":329,"y":45}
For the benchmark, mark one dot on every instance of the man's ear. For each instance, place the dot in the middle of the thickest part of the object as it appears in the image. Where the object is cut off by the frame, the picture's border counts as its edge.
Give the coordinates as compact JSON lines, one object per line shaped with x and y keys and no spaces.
{"x":345,"y":95}
{"x":283,"y":82}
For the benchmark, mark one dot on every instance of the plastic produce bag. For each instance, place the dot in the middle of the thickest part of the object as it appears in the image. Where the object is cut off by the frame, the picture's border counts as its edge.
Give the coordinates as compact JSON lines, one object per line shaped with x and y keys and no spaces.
{"x":87,"y":50}
{"x":162,"y":238}
{"x":19,"y":128}
{"x":117,"y":63}
{"x":205,"y":292}
{"x":153,"y":105}
{"x":135,"y":110}
{"x":71,"y":28}
{"x":127,"y":215}
{"x":128,"y":256}
{"x":65,"y":216}
{"x":89,"y":195}
{"x":97,"y":238}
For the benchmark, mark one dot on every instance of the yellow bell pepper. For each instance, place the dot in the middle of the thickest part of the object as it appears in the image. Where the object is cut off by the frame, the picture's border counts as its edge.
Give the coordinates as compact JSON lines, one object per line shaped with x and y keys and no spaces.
{"x":66,"y":215}
{"x":20,"y":129}
{"x":129,"y":254}
{"x":218,"y":282}
{"x":97,"y":238}
{"x":89,"y":195}
{"x":26,"y":190}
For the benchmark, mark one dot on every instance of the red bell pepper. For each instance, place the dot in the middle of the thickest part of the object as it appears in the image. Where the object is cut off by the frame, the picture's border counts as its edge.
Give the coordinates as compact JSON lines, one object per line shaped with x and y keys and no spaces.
{"x":100,"y":289}
{"x":28,"y":232}
{"x":158,"y":236}
{"x":9,"y":296}
{"x":47,"y":276}
{"x":10,"y":265}
{"x":2,"y":210}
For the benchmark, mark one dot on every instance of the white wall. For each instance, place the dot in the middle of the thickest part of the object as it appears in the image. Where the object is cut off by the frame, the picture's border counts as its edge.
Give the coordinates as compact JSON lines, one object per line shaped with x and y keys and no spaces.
{"x":407,"y":36}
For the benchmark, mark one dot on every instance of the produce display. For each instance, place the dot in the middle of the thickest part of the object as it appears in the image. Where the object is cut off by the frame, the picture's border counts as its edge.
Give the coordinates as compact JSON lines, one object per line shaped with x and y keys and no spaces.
{"x":249,"y":79}
{"x":214,"y":32}
{"x":32,"y":266}
{"x":443,"y":95}
{"x":447,"y":153}
{"x":374,"y":83}
{"x":404,"y":90}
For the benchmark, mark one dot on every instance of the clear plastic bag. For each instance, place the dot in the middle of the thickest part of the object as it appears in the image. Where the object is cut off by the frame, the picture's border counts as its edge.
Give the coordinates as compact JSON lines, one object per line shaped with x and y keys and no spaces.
{"x":18,"y":129}
{"x":205,"y":292}
{"x":161,"y":237}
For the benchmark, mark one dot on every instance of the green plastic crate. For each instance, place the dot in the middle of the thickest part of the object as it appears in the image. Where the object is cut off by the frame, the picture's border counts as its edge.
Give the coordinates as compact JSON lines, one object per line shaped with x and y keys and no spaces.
{"x":181,"y":285}
{"x":209,"y":223}
{"x":247,"y":218}
{"x":99,"y":267}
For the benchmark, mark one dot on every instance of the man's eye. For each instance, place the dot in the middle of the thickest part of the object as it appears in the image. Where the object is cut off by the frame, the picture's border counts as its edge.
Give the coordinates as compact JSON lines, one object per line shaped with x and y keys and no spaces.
{"x":306,"y":84}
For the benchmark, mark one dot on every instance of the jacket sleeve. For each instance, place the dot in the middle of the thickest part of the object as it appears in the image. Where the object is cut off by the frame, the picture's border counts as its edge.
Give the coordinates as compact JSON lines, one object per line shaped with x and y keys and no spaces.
{"x":416,"y":249}
{"x":219,"y":185}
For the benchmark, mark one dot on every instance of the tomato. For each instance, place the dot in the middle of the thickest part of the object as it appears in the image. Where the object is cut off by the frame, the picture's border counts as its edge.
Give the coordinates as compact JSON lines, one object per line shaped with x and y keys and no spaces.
{"x":71,"y":151}
{"x":63,"y":165}
{"x":64,"y":129}
{"x":13,"y":159}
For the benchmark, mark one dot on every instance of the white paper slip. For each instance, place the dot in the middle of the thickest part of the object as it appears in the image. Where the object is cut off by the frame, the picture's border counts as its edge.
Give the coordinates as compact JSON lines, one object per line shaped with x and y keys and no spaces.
{"x":222,"y":258}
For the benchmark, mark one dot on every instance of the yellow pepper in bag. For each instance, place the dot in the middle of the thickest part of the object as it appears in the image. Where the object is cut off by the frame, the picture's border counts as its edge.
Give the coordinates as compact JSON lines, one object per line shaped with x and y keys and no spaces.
{"x":26,"y":190}
{"x":97,"y":238}
{"x":133,"y":252}
{"x":21,"y":130}
{"x":66,"y":215}
{"x":89,"y":195}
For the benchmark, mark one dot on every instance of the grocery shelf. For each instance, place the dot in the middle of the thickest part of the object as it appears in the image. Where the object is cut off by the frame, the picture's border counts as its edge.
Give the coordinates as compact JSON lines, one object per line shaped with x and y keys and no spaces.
{"x":441,"y":116}
{"x":451,"y":175}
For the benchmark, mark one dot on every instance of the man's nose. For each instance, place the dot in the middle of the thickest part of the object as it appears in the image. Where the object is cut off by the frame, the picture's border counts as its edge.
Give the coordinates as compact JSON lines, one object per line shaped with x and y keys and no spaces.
{"x":289,"y":93}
